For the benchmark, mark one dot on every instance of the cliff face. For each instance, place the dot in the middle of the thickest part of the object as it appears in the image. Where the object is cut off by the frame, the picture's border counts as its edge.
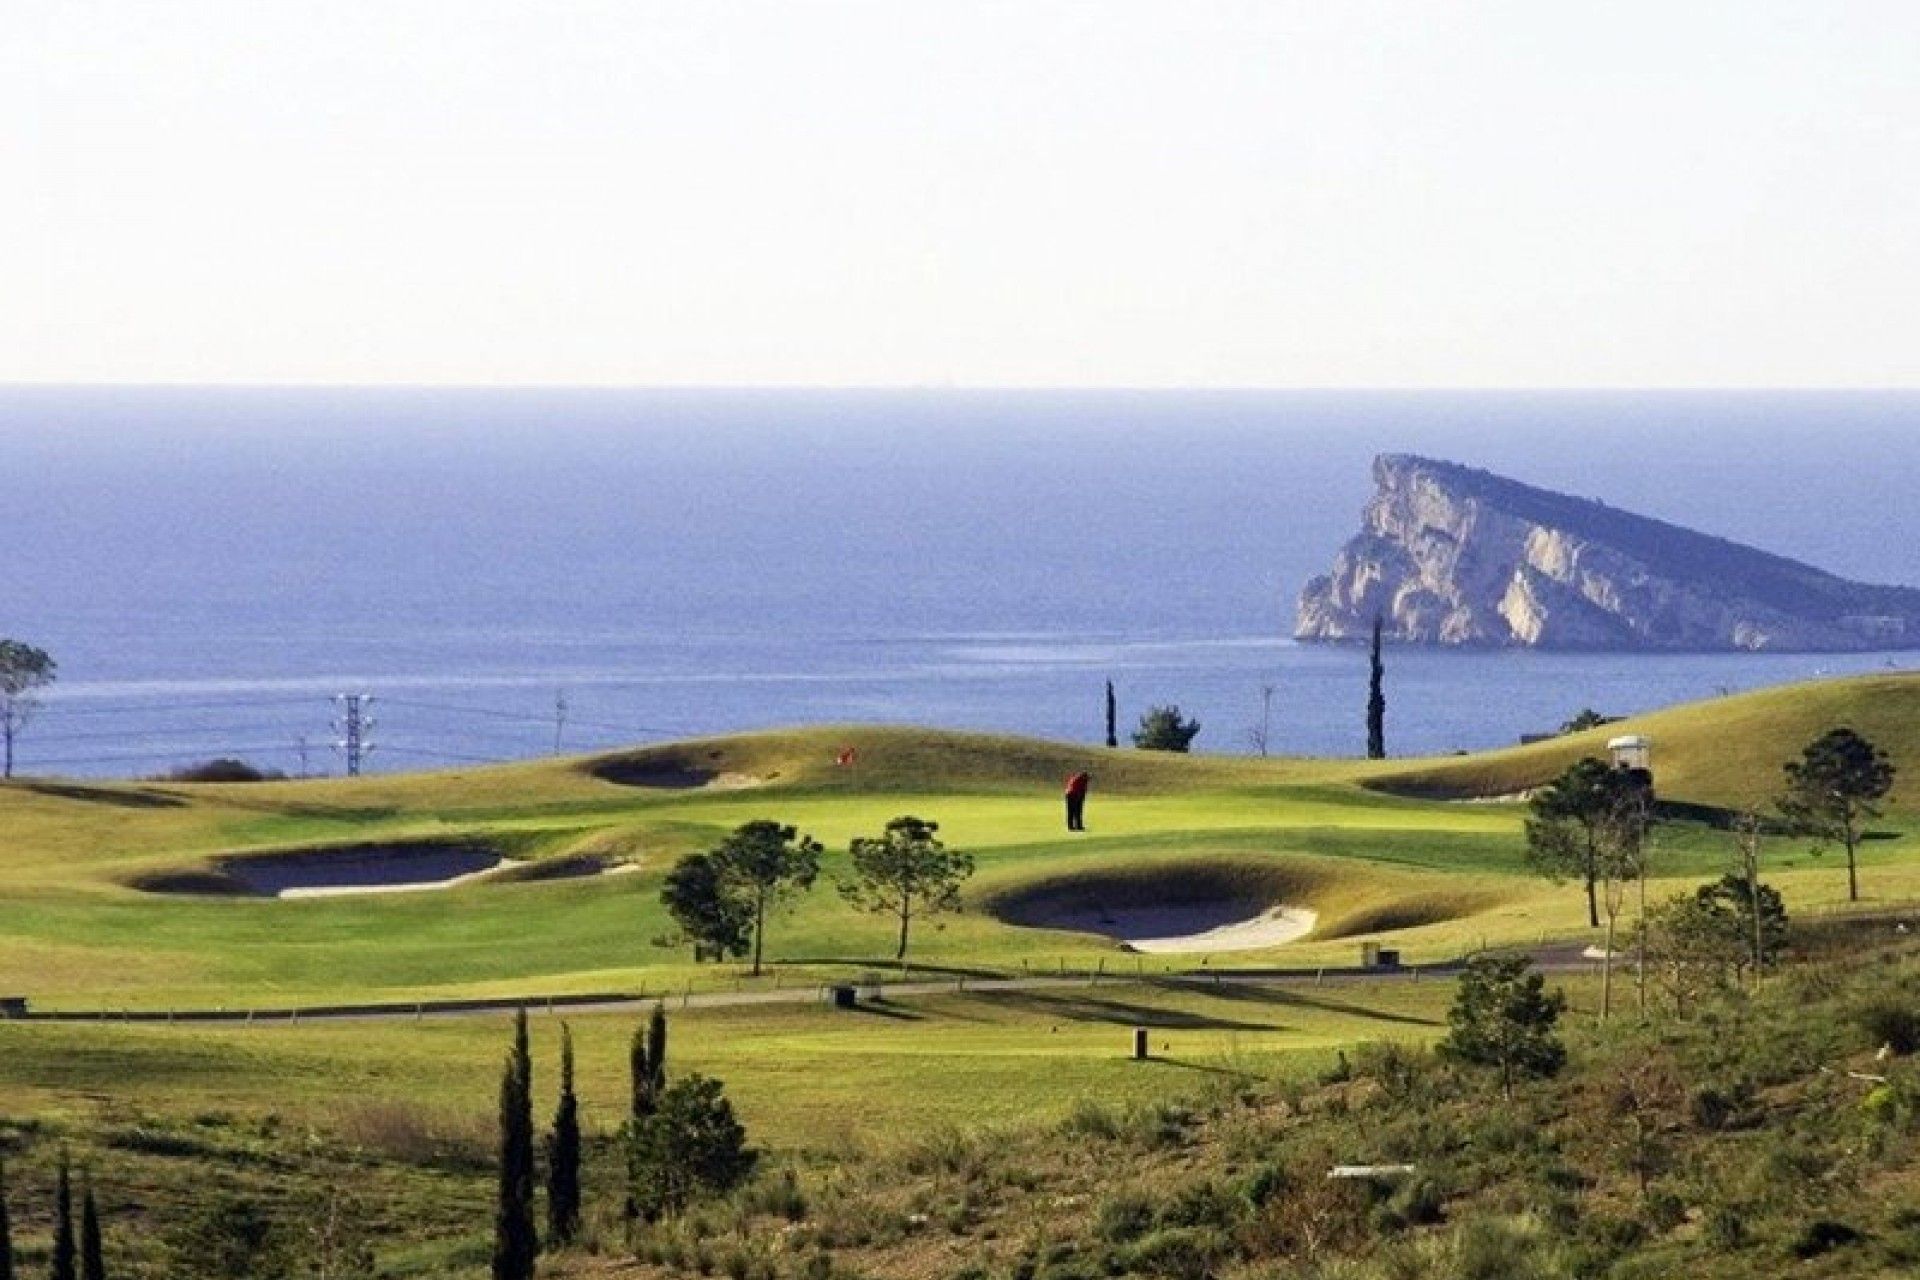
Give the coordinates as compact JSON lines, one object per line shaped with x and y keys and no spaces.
{"x":1448,"y":555}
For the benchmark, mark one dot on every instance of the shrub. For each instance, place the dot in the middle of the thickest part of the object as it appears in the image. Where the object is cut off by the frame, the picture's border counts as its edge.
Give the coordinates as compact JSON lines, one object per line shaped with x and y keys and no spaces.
{"x":1165,"y":729}
{"x":1177,"y":1253}
{"x":1125,"y":1217}
{"x":1891,"y":1022}
{"x":224,"y":769}
{"x":1822,"y":1236}
{"x":1725,"y":1227}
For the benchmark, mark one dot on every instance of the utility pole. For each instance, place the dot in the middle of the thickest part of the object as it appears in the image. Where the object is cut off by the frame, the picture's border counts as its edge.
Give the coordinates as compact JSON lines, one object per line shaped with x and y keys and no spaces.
{"x":559,"y":717}
{"x":355,"y":728}
{"x":300,"y":748}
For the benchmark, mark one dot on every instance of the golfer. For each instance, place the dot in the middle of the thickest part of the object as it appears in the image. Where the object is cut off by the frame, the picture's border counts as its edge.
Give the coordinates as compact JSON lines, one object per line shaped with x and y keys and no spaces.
{"x":1077,"y":801}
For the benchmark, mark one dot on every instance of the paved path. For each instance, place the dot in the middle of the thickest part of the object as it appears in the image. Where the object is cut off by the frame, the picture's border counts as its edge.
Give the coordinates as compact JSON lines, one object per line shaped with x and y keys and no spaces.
{"x":1558,"y":957}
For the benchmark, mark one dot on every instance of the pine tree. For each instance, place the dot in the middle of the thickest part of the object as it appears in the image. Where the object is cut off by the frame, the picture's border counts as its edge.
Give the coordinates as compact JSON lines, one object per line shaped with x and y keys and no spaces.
{"x":61,"y":1267}
{"x":563,"y":1153}
{"x":515,"y":1241}
{"x":6,"y":1229}
{"x":93,"y":1262}
{"x":1376,"y":700}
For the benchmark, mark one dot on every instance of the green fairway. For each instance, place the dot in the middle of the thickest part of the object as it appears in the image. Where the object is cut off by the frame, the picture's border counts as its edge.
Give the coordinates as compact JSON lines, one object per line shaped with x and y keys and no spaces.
{"x":1426,"y":855}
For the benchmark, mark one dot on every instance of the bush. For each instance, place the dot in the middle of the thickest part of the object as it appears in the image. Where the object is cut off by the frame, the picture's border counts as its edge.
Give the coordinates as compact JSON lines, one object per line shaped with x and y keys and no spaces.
{"x":224,"y":769}
{"x":1821,"y":1236}
{"x":1164,"y":729}
{"x":1125,"y":1217}
{"x":692,"y":1145}
{"x":1177,"y":1253}
{"x":1890,"y":1021}
{"x":1718,"y":1108}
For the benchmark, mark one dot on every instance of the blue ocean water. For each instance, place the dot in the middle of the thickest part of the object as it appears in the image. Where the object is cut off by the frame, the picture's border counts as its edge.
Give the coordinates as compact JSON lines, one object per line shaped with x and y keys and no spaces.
{"x":210,"y":566}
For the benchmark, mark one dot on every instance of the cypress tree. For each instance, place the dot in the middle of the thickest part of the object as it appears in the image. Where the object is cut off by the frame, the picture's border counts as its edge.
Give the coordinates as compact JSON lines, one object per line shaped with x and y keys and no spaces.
{"x":1376,"y":701}
{"x":93,"y":1262}
{"x":61,"y":1266}
{"x":563,"y":1153}
{"x":1113,"y":717}
{"x":6,"y":1229}
{"x":515,"y":1241}
{"x":656,"y":1056}
{"x":647,"y":1063}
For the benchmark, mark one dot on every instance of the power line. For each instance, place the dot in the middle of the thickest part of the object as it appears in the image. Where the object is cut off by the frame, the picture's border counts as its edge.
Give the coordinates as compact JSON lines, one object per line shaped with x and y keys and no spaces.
{"x":53,"y":708}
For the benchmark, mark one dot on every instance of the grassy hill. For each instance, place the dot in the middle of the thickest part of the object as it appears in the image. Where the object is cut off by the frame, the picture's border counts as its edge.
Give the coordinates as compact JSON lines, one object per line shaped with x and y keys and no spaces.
{"x":1381,"y":850}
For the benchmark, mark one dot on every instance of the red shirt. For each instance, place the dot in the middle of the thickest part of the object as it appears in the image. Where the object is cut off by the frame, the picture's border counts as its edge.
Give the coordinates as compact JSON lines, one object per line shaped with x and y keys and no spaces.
{"x":1077,"y":785}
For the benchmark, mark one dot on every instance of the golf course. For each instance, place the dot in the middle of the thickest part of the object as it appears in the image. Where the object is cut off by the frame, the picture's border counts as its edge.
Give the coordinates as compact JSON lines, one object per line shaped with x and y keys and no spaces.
{"x":530,"y":883}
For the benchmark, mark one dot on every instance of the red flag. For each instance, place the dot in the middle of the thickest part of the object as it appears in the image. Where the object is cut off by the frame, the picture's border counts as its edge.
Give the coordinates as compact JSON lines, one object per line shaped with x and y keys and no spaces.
{"x":845,"y":758}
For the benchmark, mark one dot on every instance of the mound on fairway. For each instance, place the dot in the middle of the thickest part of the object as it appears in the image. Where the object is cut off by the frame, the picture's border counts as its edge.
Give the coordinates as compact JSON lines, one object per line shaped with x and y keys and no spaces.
{"x":315,"y":873}
{"x":1170,"y":909}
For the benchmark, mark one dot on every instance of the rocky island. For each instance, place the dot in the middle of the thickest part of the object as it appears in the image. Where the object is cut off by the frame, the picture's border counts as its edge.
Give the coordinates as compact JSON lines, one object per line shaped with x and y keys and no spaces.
{"x":1450,"y":555}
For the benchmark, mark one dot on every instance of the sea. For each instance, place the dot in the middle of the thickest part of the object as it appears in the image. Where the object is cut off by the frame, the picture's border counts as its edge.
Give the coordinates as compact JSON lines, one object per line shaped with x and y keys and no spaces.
{"x":513,"y":573}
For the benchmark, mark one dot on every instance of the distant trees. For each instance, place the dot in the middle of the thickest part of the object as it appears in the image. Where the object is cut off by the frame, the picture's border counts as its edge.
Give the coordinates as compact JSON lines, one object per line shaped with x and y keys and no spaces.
{"x":1589,"y":822}
{"x":709,"y":914}
{"x":1376,"y":698}
{"x":1503,"y":1017}
{"x":1584,"y":719}
{"x":24,"y":671}
{"x":515,"y":1242}
{"x":1831,"y":792}
{"x":563,"y":1153}
{"x":1164,"y":729}
{"x":224,"y":769}
{"x":906,"y":872}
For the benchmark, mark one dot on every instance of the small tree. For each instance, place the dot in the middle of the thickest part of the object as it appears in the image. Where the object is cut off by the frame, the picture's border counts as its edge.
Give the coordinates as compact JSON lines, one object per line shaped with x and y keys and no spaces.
{"x":515,"y":1242}
{"x":1163,"y":729}
{"x":714,"y":919}
{"x":1376,"y":698}
{"x":1503,"y":1017}
{"x":24,"y":671}
{"x":563,"y":1153}
{"x":1572,"y":815}
{"x":691,"y":1146}
{"x":61,"y":1262}
{"x":93,"y":1262}
{"x":906,"y":872}
{"x":763,"y":863}
{"x":1831,"y":792}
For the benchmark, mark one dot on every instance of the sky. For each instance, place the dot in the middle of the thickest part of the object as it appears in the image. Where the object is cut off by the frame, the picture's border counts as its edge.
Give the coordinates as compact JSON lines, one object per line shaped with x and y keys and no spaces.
{"x":908,"y":193}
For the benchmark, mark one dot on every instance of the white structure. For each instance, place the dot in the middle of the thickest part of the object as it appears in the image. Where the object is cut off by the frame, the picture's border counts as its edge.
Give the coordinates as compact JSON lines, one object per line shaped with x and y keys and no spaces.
{"x":1633,"y":751}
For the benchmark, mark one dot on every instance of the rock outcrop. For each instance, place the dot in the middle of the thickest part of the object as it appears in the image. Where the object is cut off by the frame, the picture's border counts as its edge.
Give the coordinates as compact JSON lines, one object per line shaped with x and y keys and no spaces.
{"x":1449,"y":555}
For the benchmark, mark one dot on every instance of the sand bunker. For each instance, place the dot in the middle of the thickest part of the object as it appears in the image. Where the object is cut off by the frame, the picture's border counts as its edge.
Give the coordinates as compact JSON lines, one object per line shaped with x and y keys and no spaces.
{"x":1193,"y":929}
{"x":674,"y":770}
{"x":400,"y":868}
{"x":1174,"y":909}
